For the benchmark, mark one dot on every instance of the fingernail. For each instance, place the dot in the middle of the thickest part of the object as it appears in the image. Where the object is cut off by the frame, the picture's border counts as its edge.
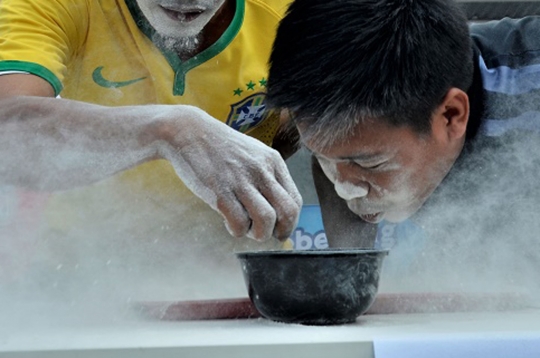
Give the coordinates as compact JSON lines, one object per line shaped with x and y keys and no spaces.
{"x":252,"y":236}
{"x":226,"y":223}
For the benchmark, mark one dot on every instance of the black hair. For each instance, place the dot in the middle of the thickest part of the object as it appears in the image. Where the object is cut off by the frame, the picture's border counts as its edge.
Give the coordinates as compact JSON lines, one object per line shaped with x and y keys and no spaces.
{"x":335,"y":63}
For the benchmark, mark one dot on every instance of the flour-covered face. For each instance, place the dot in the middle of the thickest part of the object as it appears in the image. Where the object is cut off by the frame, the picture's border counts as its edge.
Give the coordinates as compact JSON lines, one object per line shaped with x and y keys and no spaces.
{"x":384,"y":172}
{"x":179,"y":19}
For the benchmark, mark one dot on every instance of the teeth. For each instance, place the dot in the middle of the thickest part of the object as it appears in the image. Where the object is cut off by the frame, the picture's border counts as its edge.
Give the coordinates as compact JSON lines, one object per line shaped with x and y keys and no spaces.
{"x":369,"y":217}
{"x":183,"y":16}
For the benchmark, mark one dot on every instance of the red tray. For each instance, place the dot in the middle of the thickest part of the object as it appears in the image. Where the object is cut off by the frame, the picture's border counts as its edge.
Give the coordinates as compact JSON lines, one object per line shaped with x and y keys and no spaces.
{"x":385,"y":303}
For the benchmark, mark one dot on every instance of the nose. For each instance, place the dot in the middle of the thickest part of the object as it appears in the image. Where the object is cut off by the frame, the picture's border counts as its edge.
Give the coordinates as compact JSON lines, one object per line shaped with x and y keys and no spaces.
{"x":349,"y":182}
{"x":349,"y":191}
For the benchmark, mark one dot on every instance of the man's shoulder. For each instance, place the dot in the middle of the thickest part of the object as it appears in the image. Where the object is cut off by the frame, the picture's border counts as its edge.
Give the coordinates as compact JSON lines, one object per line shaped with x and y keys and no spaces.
{"x":509,"y":62}
{"x":55,"y":7}
{"x":274,"y":7}
{"x":508,"y":42}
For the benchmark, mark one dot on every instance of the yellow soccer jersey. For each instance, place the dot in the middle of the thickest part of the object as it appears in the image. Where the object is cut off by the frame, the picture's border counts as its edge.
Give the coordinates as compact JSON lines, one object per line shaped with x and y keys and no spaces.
{"x":100,"y":51}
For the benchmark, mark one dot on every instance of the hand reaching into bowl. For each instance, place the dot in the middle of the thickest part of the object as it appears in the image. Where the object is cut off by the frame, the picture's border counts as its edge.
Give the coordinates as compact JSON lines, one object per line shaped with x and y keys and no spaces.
{"x":247,"y":182}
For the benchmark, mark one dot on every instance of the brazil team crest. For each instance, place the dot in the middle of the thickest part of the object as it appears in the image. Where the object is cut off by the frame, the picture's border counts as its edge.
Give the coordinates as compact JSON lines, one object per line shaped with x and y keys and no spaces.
{"x":247,"y":113}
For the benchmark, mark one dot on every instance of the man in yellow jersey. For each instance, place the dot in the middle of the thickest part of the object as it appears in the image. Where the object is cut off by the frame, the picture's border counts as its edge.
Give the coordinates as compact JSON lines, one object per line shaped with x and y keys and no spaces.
{"x":147,"y":143}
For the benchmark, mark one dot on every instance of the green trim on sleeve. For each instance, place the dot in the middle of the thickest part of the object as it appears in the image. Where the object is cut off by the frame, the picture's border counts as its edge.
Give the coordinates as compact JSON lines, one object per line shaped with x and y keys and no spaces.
{"x":34,"y":69}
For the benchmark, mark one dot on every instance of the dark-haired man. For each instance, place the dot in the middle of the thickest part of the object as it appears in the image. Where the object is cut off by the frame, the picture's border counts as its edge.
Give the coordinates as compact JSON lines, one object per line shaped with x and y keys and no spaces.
{"x":413,"y":117}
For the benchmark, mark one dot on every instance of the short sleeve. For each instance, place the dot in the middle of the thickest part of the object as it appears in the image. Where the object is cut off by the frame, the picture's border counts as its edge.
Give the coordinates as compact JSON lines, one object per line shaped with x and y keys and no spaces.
{"x":41,"y":37}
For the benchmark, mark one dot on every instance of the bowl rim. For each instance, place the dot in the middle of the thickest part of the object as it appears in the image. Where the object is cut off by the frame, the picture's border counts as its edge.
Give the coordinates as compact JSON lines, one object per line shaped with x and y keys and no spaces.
{"x":319,"y":252}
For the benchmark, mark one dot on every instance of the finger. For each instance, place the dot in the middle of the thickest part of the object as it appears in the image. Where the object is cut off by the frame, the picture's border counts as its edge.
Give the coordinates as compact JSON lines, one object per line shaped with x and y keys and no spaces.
{"x":261,"y":213}
{"x":286,"y":207}
{"x":285,"y":179}
{"x":291,"y":212}
{"x":237,"y":220}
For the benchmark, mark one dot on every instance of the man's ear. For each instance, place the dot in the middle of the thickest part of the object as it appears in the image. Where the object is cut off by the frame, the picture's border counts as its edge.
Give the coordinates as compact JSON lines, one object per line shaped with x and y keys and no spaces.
{"x":452,"y":115}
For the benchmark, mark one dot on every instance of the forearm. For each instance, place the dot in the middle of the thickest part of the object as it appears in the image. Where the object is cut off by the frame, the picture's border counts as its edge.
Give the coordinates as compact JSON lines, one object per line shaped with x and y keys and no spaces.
{"x":55,"y":144}
{"x":343,"y":228}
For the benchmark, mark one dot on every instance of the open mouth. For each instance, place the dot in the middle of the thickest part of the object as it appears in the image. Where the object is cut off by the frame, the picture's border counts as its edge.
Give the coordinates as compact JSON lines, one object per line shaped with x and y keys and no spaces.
{"x":183,"y":15}
{"x":372,"y":218}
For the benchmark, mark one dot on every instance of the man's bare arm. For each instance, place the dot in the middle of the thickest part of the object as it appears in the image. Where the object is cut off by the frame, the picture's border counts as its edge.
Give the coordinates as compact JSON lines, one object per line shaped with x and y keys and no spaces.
{"x":343,"y":228}
{"x":52,"y":144}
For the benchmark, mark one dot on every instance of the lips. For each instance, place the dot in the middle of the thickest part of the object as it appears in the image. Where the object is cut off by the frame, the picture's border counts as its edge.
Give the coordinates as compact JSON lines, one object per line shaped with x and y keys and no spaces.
{"x":372,"y":218}
{"x":370,"y":215}
{"x":182,"y":15}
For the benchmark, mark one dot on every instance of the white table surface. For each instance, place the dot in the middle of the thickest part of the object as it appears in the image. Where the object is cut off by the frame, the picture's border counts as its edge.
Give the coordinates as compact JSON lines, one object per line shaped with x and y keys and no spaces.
{"x":137,"y":338}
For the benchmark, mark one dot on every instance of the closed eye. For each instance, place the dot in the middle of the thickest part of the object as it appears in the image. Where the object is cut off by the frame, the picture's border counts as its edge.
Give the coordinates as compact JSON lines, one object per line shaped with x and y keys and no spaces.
{"x":371,"y":166}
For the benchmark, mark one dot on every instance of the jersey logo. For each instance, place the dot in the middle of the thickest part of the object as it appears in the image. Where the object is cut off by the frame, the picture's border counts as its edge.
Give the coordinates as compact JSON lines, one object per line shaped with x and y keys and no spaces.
{"x":98,"y":78}
{"x":247,"y":113}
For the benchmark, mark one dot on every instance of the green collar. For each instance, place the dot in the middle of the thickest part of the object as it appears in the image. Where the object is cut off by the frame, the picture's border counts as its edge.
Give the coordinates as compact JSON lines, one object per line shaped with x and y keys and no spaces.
{"x":181,"y":68}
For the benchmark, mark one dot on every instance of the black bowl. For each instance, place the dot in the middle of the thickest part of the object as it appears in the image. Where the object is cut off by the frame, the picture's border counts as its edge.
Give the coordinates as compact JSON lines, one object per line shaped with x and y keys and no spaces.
{"x":320,"y":287}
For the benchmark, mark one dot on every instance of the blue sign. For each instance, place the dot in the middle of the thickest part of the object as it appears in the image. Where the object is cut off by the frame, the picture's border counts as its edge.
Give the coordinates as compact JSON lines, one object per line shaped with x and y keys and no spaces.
{"x":309,"y":233}
{"x":406,"y":238}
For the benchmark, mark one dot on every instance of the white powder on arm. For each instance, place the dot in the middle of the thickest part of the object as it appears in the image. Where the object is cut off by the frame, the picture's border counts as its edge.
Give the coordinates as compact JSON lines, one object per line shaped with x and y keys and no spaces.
{"x":243,"y":179}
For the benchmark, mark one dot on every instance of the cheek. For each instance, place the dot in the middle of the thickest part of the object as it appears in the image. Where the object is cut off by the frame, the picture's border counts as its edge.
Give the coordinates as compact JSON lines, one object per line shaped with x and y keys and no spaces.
{"x":424,"y":175}
{"x":395,"y":186}
{"x":409,"y":179}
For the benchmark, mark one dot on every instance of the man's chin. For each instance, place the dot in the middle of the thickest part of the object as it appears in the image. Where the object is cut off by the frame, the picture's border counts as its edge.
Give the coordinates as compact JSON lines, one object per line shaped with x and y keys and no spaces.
{"x":390,"y":217}
{"x":400,"y":216}
{"x":177,"y":30}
